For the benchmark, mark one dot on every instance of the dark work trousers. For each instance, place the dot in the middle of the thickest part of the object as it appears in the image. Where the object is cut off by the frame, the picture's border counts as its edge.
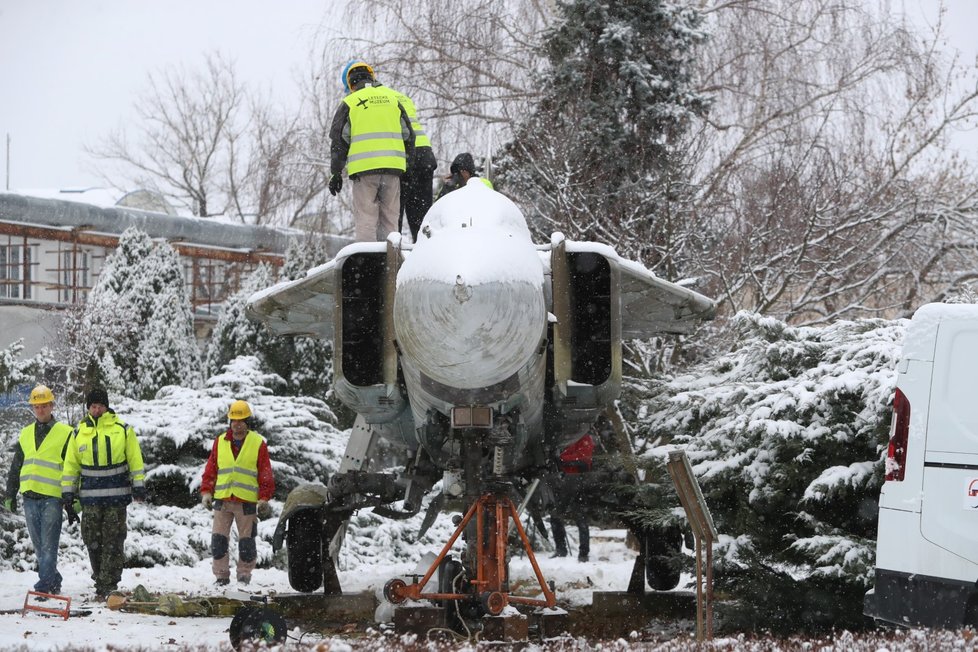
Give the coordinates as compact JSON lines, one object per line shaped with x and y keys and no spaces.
{"x":560,"y":536}
{"x":416,"y":197}
{"x":104,"y":530}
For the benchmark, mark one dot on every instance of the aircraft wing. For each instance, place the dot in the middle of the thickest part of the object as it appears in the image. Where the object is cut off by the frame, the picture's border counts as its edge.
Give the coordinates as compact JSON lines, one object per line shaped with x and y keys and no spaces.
{"x":300,"y":307}
{"x":651,"y":305}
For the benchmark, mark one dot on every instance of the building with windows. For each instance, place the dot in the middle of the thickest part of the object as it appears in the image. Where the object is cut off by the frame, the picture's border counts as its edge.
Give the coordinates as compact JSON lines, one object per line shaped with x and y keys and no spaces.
{"x":52,"y":249}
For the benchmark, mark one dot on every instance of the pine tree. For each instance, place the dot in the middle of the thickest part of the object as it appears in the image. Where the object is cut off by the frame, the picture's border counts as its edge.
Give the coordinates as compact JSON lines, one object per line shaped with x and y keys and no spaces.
{"x":136,"y":333}
{"x":597,"y":158}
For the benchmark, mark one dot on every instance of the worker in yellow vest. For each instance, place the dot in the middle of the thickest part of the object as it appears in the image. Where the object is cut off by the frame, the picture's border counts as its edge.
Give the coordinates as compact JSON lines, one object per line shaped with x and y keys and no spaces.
{"x":462,"y":170}
{"x":36,"y":475}
{"x":104,"y":470}
{"x":417,"y":181}
{"x":371,"y":135}
{"x":237,"y":484}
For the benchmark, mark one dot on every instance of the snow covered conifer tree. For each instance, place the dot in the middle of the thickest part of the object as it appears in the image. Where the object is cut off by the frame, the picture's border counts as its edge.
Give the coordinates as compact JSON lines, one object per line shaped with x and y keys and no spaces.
{"x":14,"y":371}
{"x":136,"y":333}
{"x":787,"y":435}
{"x":597,"y":157}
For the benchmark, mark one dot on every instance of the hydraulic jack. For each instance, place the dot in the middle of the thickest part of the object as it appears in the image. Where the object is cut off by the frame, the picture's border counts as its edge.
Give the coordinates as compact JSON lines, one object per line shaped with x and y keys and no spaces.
{"x":490,"y":586}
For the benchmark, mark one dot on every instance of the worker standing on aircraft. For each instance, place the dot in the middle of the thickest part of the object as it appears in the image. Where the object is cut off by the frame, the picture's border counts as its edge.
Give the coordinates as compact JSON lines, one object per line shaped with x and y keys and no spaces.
{"x":237,"y":484}
{"x":462,"y":169}
{"x":371,"y":135}
{"x":416,"y":183}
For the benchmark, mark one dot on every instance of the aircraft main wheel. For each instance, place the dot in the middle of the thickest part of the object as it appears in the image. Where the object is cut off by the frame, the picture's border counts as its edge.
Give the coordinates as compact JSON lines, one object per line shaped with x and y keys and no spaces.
{"x":493,"y":602}
{"x":304,"y":544}
{"x":392,"y":591}
{"x":663,"y":558}
{"x":253,"y":624}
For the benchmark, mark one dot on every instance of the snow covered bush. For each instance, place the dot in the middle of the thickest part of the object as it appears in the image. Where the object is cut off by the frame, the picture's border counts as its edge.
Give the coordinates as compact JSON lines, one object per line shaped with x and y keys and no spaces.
{"x":786,"y":434}
{"x":15,"y":371}
{"x":178,"y":427}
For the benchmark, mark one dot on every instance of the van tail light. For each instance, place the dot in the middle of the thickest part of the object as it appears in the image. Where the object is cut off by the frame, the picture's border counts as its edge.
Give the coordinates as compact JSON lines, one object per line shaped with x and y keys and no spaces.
{"x":896,"y":452}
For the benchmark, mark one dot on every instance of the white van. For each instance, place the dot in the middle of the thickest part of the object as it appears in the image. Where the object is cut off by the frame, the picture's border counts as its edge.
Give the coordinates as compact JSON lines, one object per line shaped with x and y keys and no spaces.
{"x":927,"y":547}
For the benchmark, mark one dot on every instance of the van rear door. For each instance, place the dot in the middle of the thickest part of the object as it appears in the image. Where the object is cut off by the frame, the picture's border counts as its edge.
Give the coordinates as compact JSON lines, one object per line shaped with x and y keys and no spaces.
{"x":949,"y":510}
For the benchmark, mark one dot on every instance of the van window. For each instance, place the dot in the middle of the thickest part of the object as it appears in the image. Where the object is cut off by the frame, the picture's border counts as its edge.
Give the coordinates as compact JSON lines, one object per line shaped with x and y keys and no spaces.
{"x":953,"y":423}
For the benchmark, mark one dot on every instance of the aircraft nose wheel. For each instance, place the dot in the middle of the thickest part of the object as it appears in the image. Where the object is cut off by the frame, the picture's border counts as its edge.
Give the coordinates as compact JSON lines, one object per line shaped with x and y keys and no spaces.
{"x":253,"y":624}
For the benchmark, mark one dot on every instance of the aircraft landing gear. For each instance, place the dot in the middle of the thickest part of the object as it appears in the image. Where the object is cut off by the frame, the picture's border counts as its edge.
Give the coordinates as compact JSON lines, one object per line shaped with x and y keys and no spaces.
{"x":489,"y":588}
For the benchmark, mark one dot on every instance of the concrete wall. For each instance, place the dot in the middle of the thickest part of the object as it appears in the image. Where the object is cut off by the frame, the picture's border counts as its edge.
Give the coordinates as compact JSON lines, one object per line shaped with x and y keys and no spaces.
{"x":38,"y":327}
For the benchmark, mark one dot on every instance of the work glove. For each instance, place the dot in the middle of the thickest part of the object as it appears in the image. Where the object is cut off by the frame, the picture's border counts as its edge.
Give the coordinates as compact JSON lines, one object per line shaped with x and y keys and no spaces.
{"x":68,"y":502}
{"x":139,"y":494}
{"x":264,"y":509}
{"x":72,"y":513}
{"x":10,"y":504}
{"x":207,"y":501}
{"x":335,"y":184}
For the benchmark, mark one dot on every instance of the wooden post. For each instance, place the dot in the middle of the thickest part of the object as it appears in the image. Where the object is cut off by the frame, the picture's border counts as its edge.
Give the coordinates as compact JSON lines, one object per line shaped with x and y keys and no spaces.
{"x":705,"y":533}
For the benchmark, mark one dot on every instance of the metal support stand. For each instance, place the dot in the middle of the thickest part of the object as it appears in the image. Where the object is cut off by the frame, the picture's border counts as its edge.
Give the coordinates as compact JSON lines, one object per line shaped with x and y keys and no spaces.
{"x":492,"y":513}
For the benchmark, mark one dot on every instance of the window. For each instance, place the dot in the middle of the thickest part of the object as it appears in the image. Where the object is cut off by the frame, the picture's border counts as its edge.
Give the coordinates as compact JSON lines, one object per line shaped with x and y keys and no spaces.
{"x":15,"y":271}
{"x":74,"y":276}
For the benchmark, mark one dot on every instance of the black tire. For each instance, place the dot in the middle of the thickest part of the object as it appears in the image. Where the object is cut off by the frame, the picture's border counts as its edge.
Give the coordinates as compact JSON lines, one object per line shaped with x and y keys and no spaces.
{"x":304,"y":544}
{"x":663,"y":558}
{"x":254,"y":624}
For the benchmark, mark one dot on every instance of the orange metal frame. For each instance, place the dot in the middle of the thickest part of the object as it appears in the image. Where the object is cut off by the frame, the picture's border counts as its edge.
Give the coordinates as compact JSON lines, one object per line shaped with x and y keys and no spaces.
{"x":63,"y":611}
{"x":490,"y":563}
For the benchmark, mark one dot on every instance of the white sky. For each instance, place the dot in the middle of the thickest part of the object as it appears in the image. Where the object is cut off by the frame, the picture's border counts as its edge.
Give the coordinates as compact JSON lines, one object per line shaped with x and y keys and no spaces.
{"x":69,"y":69}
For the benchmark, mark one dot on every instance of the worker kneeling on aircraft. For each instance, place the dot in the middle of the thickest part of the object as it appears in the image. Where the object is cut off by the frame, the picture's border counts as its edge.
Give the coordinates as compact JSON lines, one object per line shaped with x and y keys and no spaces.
{"x":237,"y":484}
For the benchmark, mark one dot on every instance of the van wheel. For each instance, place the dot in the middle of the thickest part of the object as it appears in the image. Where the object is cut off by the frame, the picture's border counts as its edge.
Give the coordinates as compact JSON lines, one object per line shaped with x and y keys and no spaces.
{"x":304,"y":544}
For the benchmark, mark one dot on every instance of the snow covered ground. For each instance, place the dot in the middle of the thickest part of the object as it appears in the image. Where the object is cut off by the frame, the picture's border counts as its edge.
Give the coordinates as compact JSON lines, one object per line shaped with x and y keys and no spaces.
{"x":609,"y":569}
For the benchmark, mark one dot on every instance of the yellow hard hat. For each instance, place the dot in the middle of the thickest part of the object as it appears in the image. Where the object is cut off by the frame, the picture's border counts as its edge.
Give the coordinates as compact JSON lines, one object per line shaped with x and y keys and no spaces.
{"x":40,"y":395}
{"x":239,"y":410}
{"x":361,"y":68}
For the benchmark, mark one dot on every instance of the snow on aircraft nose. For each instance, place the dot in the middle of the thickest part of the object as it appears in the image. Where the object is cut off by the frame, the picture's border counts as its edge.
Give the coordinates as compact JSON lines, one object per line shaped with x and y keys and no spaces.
{"x":469,"y":308}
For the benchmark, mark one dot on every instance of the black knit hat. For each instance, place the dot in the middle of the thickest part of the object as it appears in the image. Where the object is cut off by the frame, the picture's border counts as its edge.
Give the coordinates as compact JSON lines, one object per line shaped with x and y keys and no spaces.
{"x":465,"y":162}
{"x":97,"y":395}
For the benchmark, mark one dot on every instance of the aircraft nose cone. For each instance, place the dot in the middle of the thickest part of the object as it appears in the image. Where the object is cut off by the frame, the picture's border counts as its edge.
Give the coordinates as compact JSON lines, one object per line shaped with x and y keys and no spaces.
{"x":469,"y":308}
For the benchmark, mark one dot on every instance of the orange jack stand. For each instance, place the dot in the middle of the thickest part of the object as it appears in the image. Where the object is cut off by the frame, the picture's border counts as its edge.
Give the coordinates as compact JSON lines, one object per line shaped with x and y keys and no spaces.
{"x":491,"y":541}
{"x":56,"y":611}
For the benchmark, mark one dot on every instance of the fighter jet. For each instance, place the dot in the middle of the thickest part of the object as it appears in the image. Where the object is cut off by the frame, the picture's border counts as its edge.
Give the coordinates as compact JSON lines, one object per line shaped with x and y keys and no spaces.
{"x":476,"y":352}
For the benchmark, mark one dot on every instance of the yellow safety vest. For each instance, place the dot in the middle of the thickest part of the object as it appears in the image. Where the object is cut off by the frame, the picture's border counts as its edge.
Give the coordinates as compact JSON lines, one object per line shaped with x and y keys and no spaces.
{"x":420,"y":137}
{"x":376,"y":142}
{"x":104,"y":458}
{"x":42,"y":467}
{"x":238,"y":476}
